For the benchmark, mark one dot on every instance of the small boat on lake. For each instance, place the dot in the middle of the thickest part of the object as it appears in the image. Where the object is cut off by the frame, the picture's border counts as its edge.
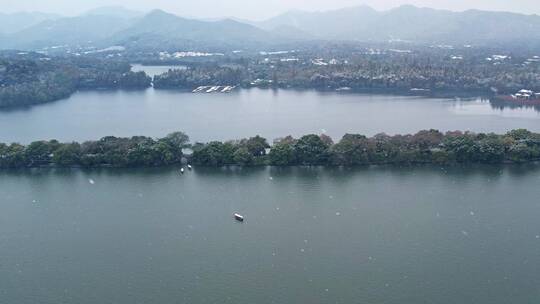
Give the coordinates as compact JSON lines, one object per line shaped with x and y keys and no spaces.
{"x":213,"y":89}
{"x":200,"y":89}
{"x":227,"y":89}
{"x":189,"y":167}
{"x":182,"y":170}
{"x":238,"y":217}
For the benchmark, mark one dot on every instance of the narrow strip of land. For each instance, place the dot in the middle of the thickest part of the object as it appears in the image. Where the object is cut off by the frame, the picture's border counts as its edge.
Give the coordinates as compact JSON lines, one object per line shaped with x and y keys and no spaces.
{"x":428,"y":146}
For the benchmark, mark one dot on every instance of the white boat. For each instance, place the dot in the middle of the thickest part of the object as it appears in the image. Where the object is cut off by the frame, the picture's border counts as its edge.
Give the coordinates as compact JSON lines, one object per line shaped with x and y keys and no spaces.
{"x":227,"y":89}
{"x":189,"y":167}
{"x":238,"y":217}
{"x":182,"y":170}
{"x":200,"y":89}
{"x":212,"y":89}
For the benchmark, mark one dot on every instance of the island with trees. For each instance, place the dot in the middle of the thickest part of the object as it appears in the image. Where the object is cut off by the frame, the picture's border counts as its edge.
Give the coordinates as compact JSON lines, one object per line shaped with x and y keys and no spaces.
{"x":424,"y":147}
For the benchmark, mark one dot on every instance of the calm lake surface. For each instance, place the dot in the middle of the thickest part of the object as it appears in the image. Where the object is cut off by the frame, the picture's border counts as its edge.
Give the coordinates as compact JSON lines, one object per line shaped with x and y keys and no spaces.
{"x":311,"y":235}
{"x":244,"y":113}
{"x":420,"y":234}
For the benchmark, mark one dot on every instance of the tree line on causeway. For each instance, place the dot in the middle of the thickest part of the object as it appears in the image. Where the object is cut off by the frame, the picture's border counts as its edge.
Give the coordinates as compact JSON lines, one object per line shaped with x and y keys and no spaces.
{"x":427,"y":146}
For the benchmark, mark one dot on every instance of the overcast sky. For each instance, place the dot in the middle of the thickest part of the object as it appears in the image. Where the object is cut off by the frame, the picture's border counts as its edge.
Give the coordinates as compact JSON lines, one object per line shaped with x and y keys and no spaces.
{"x":257,"y":9}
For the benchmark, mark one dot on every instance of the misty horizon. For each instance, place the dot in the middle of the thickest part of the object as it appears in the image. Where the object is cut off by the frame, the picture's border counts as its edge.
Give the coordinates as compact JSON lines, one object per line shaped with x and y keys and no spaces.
{"x":240,"y":10}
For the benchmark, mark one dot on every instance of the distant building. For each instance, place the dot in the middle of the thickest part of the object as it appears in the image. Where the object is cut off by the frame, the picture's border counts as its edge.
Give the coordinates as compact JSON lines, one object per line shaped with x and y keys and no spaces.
{"x":526,"y":95}
{"x":526,"y":92}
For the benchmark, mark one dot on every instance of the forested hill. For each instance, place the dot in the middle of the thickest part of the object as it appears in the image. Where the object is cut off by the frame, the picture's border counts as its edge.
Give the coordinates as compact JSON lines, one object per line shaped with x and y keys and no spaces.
{"x":34,"y":78}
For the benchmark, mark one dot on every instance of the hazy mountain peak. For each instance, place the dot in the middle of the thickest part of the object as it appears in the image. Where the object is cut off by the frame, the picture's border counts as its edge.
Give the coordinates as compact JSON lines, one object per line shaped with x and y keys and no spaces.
{"x":159,"y":13}
{"x":409,"y":8}
{"x":114,"y":11}
{"x":14,"y":22}
{"x":358,"y":8}
{"x":405,"y":7}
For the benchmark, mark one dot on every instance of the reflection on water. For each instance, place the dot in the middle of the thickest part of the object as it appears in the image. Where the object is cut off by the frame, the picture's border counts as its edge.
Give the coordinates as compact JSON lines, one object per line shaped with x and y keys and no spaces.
{"x":496,"y":108}
{"x":502,"y":105}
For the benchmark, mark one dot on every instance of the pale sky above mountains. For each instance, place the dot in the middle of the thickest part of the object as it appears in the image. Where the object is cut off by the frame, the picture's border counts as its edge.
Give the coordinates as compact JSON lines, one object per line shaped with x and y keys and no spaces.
{"x":257,"y":9}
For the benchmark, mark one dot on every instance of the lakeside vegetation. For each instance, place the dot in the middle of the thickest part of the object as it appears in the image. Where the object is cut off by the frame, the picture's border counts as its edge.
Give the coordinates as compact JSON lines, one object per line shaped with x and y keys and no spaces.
{"x":35,"y":79}
{"x":426,"y":71}
{"x":428,"y":146}
{"x":32,"y":78}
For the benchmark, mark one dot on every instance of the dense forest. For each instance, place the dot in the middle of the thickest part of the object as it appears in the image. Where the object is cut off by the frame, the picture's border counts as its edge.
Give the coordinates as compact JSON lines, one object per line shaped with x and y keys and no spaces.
{"x":200,"y":76}
{"x":34,"y":79}
{"x":398,"y":72}
{"x":428,"y":146}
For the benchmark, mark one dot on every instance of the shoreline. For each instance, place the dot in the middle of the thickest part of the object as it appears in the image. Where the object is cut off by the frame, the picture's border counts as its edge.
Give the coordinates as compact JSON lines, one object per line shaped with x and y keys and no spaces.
{"x":236,"y":166}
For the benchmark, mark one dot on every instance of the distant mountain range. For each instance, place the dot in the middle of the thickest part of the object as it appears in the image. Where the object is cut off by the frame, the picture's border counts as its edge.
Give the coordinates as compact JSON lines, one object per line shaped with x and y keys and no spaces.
{"x":81,"y":30}
{"x":108,"y":26}
{"x":413,"y":24}
{"x":115,"y":26}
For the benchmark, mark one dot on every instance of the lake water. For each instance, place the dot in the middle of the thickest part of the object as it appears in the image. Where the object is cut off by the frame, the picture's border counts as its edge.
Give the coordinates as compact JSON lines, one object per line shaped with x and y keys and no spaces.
{"x":311,"y":235}
{"x":244,"y":113}
{"x":420,"y":234}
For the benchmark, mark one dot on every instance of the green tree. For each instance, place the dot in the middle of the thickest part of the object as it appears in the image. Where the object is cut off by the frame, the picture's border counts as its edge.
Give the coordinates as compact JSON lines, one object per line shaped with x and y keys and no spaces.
{"x":256,"y":145}
{"x":38,"y":153}
{"x":177,"y":140}
{"x":214,"y":154}
{"x":352,"y":149}
{"x":282,"y":153}
{"x":67,"y":155}
{"x":243,"y":157}
{"x":461,"y":147}
{"x":519,"y":152}
{"x":311,"y":150}
{"x":519,"y":134}
{"x":13,"y":156}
